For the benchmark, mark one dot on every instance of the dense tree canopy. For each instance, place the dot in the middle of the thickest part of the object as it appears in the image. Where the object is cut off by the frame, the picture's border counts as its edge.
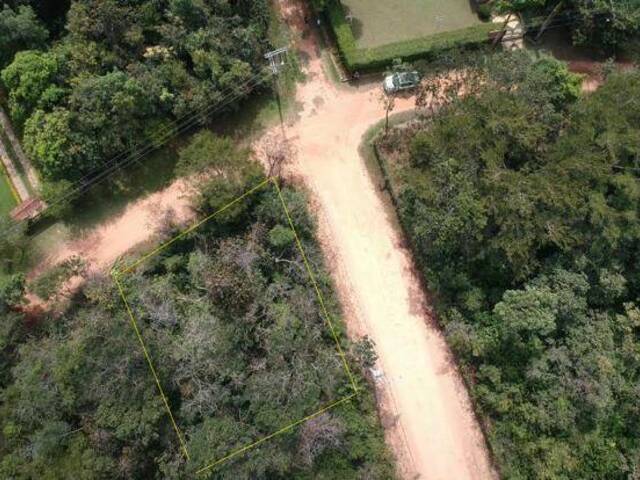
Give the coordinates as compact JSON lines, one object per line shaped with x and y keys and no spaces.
{"x":522,"y":202}
{"x":123,"y":71}
{"x":19,"y":30}
{"x":234,"y":327}
{"x":606,"y":23}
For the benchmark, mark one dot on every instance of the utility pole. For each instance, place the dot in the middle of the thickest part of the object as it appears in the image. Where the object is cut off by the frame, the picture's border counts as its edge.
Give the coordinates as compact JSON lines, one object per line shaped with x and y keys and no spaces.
{"x":277,"y":60}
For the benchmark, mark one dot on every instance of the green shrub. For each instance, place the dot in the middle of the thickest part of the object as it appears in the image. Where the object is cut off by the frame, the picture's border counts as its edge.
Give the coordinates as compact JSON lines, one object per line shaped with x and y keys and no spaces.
{"x":281,"y":236}
{"x":343,"y":33}
{"x":59,"y":196}
{"x":484,"y":11}
{"x":378,"y":58}
{"x":50,"y":282}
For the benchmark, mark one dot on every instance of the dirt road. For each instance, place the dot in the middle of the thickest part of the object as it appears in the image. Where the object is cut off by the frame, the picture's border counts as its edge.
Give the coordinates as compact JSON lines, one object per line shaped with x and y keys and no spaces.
{"x":139,"y":222}
{"x":436,"y":436}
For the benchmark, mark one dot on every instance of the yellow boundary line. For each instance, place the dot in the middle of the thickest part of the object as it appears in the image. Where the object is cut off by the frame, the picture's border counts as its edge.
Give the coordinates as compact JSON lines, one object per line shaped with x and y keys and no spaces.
{"x":317,"y":289}
{"x":275,"y":434}
{"x":116,"y":274}
{"x":153,"y":370}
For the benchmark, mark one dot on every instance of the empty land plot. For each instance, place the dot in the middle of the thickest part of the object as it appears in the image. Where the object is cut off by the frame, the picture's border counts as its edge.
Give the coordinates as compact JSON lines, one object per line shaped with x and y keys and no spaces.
{"x":382,"y":22}
{"x":256,"y":353}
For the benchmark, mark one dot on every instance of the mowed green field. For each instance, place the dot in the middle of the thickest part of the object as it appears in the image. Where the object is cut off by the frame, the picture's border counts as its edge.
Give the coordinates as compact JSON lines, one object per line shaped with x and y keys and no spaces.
{"x":381,"y":22}
{"x":7,"y":200}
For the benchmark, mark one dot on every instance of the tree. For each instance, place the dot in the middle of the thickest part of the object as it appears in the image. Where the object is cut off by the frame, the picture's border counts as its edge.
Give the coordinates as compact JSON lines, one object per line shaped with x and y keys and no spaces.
{"x":51,"y":12}
{"x":19,"y":30}
{"x":520,"y":5}
{"x":561,"y":87}
{"x":110,"y":109}
{"x":12,"y":288}
{"x":528,"y":316}
{"x":109,"y":22}
{"x":278,"y":152}
{"x":388,"y":101}
{"x":209,"y":153}
{"x":59,"y":150}
{"x":318,"y":434}
{"x":59,"y":196}
{"x":13,"y":245}
{"x":29,"y":79}
{"x":605,"y":24}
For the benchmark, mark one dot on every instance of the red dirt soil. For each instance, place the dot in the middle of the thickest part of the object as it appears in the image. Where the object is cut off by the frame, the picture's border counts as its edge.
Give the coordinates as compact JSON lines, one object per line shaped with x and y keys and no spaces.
{"x":436,"y":435}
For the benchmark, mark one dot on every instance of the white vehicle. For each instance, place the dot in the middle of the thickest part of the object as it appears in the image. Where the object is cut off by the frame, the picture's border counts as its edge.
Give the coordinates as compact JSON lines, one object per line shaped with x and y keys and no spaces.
{"x":401,"y":81}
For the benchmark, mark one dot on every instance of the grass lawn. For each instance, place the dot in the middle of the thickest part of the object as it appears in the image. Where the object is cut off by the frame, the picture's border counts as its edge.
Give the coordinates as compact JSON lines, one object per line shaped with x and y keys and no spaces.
{"x":7,"y":200}
{"x":388,"y":21}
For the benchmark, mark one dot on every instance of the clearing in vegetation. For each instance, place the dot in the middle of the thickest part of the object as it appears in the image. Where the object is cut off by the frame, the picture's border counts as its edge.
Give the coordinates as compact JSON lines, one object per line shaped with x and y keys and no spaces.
{"x":289,"y":236}
{"x":379,"y":23}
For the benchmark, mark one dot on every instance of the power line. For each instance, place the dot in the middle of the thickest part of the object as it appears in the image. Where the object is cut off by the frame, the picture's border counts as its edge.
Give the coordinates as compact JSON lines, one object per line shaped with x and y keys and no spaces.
{"x":164,"y":138}
{"x":166,"y":129}
{"x":98,"y":174}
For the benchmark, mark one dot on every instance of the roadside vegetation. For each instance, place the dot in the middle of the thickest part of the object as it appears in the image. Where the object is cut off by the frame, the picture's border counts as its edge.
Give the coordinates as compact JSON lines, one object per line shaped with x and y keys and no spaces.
{"x":521,"y":202}
{"x":121,"y":74}
{"x":233,"y":323}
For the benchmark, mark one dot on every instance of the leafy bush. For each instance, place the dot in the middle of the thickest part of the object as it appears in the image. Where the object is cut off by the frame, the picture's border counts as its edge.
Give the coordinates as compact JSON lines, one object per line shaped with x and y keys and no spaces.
{"x":59,"y":197}
{"x":50,"y":282}
{"x":484,"y":11}
{"x":210,"y":153}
